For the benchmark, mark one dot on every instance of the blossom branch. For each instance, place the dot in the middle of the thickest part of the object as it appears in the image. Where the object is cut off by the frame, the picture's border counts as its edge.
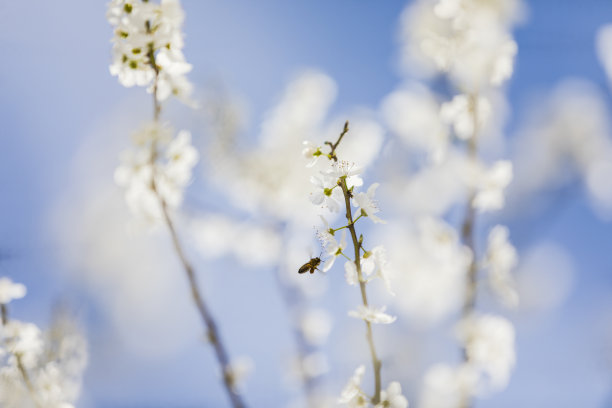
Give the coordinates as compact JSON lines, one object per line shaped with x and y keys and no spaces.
{"x":209,"y":322}
{"x":18,"y":358}
{"x":376,"y":363}
{"x":205,"y":314}
{"x":468,"y":238}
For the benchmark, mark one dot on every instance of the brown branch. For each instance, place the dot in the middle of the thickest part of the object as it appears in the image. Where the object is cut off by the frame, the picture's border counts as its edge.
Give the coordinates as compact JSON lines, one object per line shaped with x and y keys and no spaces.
{"x":213,"y":336}
{"x":334,"y":146}
{"x":207,"y":318}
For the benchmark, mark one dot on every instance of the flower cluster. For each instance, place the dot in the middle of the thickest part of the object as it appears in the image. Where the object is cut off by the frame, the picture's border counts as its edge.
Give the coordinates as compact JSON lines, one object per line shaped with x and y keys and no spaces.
{"x":38,"y":369}
{"x":336,"y":188}
{"x":469,"y":40}
{"x":147,"y":46}
{"x":354,"y":397}
{"x":156,"y":170}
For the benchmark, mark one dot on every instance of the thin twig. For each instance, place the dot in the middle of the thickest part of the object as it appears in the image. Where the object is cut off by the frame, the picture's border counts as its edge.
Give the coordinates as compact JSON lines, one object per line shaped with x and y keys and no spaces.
{"x":213,"y":336}
{"x":334,"y":146}
{"x":205,"y":314}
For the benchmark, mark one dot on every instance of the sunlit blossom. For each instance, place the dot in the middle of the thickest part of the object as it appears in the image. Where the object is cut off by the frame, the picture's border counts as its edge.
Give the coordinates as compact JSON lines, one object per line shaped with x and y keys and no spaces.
{"x":367,"y":205}
{"x":372,"y":314}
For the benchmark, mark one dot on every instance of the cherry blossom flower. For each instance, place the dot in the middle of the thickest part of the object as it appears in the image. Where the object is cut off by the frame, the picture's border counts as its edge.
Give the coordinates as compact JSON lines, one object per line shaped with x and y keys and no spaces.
{"x":348,"y":170}
{"x":372,"y":314}
{"x":157,"y":167}
{"x":501,"y":258}
{"x":333,"y":249}
{"x":311,"y":152}
{"x":489,"y":343}
{"x":327,"y":194}
{"x":352,"y":395}
{"x":10,"y":291}
{"x":365,"y":202}
{"x":23,"y":339}
{"x":460,"y":113}
{"x":147,"y":43}
{"x":467,"y":39}
{"x":392,"y":397}
{"x":490,"y":185}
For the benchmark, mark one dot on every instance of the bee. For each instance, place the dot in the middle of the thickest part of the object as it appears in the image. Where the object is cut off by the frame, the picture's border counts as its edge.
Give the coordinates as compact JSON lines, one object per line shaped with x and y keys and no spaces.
{"x":310,"y":265}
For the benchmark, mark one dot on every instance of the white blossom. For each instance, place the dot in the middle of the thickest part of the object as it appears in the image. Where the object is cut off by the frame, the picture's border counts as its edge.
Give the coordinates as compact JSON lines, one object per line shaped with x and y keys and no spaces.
{"x":157,"y":167}
{"x":413,"y":113}
{"x":372,"y":314}
{"x":348,"y":170}
{"x":24,"y":340}
{"x":147,"y":43}
{"x":429,"y":267}
{"x":311,"y":152}
{"x":365,"y":202}
{"x":490,"y":185}
{"x":501,"y":258}
{"x":372,"y":266}
{"x":53,"y":362}
{"x":350,"y":273}
{"x":10,"y":291}
{"x":392,"y":397}
{"x":468,"y":39}
{"x":466,"y":114}
{"x":327,"y":194}
{"x":352,"y":395}
{"x":446,"y":386}
{"x":489,"y":344}
{"x":333,"y":248}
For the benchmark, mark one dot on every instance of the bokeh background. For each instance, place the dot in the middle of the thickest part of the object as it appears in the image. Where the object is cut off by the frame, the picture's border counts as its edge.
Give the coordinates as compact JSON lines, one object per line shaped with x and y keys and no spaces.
{"x":65,"y":119}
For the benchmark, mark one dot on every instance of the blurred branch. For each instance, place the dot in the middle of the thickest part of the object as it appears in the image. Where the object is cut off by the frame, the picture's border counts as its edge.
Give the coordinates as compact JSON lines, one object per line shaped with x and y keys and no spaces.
{"x":207,"y":318}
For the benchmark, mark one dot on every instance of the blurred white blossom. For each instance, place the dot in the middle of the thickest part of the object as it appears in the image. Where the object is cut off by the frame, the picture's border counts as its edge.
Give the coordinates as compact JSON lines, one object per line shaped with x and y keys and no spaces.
{"x":10,"y":291}
{"x":41,"y":369}
{"x":372,"y":314}
{"x":352,"y":395}
{"x":490,"y":185}
{"x":466,"y":114}
{"x":429,"y":265}
{"x":158,"y":167}
{"x":489,"y":344}
{"x":446,"y":386}
{"x":469,"y":40}
{"x":500,"y":260}
{"x":392,"y":397}
{"x":367,"y":205}
{"x":565,"y":139}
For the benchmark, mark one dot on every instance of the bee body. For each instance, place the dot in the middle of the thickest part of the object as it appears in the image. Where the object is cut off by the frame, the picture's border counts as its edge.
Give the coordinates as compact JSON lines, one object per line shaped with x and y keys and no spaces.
{"x":310,"y":266}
